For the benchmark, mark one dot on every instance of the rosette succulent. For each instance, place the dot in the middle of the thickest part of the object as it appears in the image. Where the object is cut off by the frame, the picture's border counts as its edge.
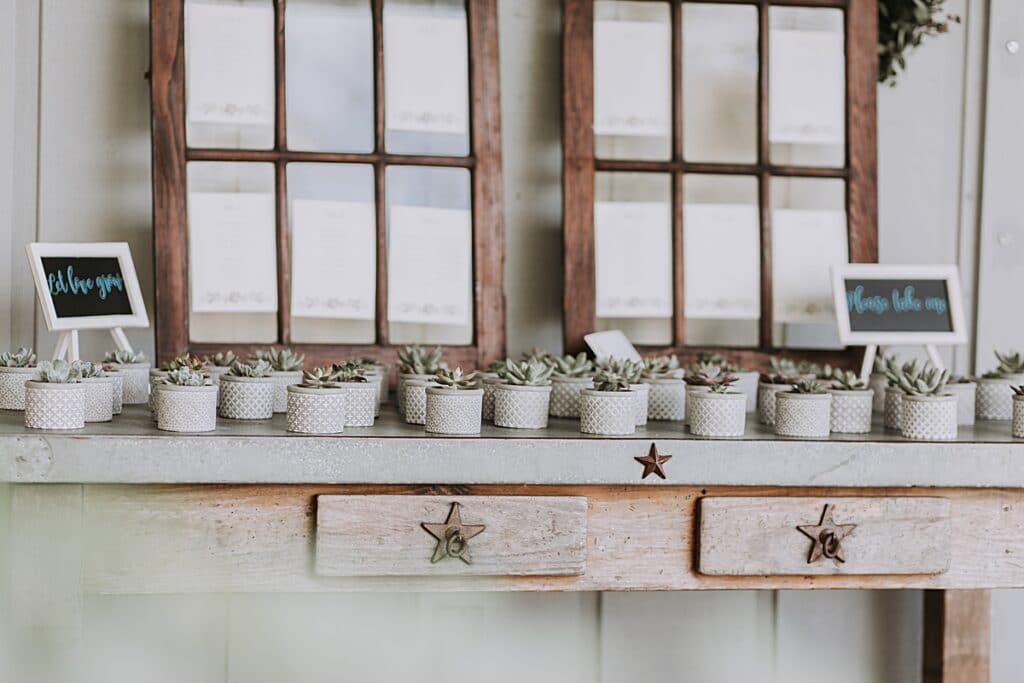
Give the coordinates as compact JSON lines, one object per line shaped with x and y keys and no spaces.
{"x":538,"y":354}
{"x":184,"y":377}
{"x":281,"y":360}
{"x":57,"y":372}
{"x":22,"y":358}
{"x":124,"y":357}
{"x":346,"y":373}
{"x":659,"y":366}
{"x":607,"y":379}
{"x":415,"y":360}
{"x":712,"y":376}
{"x":258,"y":368}
{"x":186,"y":360}
{"x":87,"y":370}
{"x":572,"y":366}
{"x":527,"y":373}
{"x":712,"y":358}
{"x":844,"y":380}
{"x":809,"y":386}
{"x":455,"y":379}
{"x":918,"y":379}
{"x":319,"y":378}
{"x":222,"y":359}
{"x":1011,"y":363}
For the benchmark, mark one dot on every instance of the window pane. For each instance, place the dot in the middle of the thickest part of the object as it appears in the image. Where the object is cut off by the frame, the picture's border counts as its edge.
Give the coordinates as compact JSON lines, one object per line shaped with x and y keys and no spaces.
{"x":329,"y":81}
{"x":232,"y":240}
{"x":426,"y":77}
{"x":632,"y":80}
{"x":633,"y":255}
{"x":333,"y":226}
{"x":809,"y":236}
{"x":430,"y":255}
{"x":229,"y":73}
{"x":807,"y":76}
{"x":719,"y":82}
{"x":721,"y":260}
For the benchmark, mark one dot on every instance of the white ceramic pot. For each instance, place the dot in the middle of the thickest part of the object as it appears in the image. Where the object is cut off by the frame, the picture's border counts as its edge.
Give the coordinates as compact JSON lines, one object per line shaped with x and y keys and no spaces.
{"x":247,"y":398}
{"x":216,"y":372}
{"x":804,"y":415}
{"x":360,"y":403}
{"x":316,"y":410}
{"x":642,"y":392}
{"x":717,"y":415}
{"x":283,"y":380}
{"x":375,"y":377}
{"x":692,"y":389}
{"x":454,"y":411}
{"x":99,"y":399}
{"x":995,"y":397}
{"x":136,"y":383}
{"x":746,"y":384}
{"x":399,"y":394}
{"x":414,"y":392}
{"x":12,"y":387}
{"x":928,"y":418}
{"x":891,"y":413}
{"x":1018,"y":416}
{"x":384,"y":370}
{"x":878,"y":383}
{"x":54,"y":406}
{"x":521,"y":407}
{"x":608,"y":413}
{"x":565,"y":395}
{"x":187,"y":409}
{"x":852,"y":411}
{"x":966,"y":393}
{"x":766,"y":392}
{"x":118,"y":393}
{"x":666,"y":399}
{"x":488,"y":386}
{"x":152,"y":399}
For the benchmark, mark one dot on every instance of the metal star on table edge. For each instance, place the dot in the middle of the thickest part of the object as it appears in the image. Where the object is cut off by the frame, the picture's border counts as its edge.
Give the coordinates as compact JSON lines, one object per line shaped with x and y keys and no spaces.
{"x":440,"y":531}
{"x":816,"y":531}
{"x":653,"y":462}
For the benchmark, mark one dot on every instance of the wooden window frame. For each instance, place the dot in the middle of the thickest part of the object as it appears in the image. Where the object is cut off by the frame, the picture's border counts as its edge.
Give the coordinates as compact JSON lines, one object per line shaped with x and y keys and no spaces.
{"x":170,"y":155}
{"x":580,"y":166}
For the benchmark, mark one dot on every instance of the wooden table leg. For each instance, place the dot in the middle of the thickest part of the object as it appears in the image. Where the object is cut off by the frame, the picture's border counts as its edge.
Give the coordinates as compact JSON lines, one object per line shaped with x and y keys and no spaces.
{"x":957,"y":629}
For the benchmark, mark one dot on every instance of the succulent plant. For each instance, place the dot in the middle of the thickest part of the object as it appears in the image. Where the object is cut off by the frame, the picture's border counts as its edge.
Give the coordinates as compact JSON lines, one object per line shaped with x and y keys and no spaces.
{"x":659,"y":366}
{"x":721,"y":389}
{"x":918,"y":379}
{"x":281,"y":360}
{"x":221,"y":359}
{"x":186,"y":360}
{"x":808,"y":386}
{"x":572,"y":366}
{"x":631,"y":370}
{"x":844,"y":380}
{"x":258,"y":368}
{"x":527,"y":373}
{"x":319,"y":378}
{"x":776,"y":378}
{"x":414,"y":360}
{"x":607,"y":379}
{"x":22,"y":358}
{"x":456,"y":379}
{"x":495,"y":367}
{"x":806,"y":367}
{"x":781,"y":367}
{"x":87,"y":370}
{"x":538,"y":354}
{"x":1011,"y":363}
{"x":124,"y":357}
{"x":708,"y":375}
{"x":1018,"y":391}
{"x":712,"y":358}
{"x":184,"y":377}
{"x":57,"y":372}
{"x":882,"y":363}
{"x":346,"y":373}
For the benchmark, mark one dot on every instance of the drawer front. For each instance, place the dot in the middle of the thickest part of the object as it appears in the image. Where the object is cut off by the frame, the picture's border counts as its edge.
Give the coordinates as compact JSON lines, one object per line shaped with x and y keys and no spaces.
{"x":824,"y":536}
{"x":369,"y":535}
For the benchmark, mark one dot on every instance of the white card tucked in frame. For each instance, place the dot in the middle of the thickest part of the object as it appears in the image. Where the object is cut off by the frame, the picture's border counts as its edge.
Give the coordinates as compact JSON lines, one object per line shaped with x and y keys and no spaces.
{"x":632,"y":78}
{"x":334,"y":259}
{"x":805,"y":245}
{"x":230,"y":53}
{"x":426,"y":72}
{"x":807,"y":83}
{"x":430,"y":265}
{"x":633,"y":259}
{"x":232,"y":252}
{"x":717,"y":289}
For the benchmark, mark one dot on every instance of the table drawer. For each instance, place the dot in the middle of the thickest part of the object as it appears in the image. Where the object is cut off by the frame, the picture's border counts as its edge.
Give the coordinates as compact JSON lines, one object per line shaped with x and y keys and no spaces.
{"x":381,"y":535}
{"x":822,"y":536}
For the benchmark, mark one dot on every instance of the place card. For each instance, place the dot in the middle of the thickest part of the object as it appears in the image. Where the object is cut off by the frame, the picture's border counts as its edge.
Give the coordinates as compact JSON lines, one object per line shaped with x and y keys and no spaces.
{"x":430,"y":265}
{"x":722,"y":285}
{"x":807,"y":80}
{"x":633,"y":259}
{"x":232,"y":252}
{"x":334,"y":259}
{"x":421,"y":94}
{"x":632,"y":78}
{"x":230,"y":63}
{"x":805,"y":245}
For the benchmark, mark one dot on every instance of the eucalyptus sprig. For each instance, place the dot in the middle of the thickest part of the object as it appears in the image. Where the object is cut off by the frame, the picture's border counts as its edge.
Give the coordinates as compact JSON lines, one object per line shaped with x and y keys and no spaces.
{"x":902,"y":27}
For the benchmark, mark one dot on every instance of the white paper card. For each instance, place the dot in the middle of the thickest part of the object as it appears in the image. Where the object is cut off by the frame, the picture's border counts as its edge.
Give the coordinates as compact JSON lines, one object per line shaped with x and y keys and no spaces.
{"x":632,"y":78}
{"x":611,"y":344}
{"x":633,"y":259}
{"x":232,"y":252}
{"x":334,"y":259}
{"x":807,"y":82}
{"x":716,"y":289}
{"x":805,"y":246}
{"x":230,"y":58}
{"x":430,"y":265}
{"x":426,"y":71}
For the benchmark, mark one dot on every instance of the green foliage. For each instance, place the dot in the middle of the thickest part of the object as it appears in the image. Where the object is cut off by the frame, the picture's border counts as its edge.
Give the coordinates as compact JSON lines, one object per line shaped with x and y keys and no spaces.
{"x":808,"y":386}
{"x":882,"y":363}
{"x":184,"y":377}
{"x":708,"y":375}
{"x":319,"y":378}
{"x":844,"y":380}
{"x":902,"y":26}
{"x":221,"y":360}
{"x":631,"y":370}
{"x":87,"y":370}
{"x":918,"y":379}
{"x":456,"y":379}
{"x":414,"y":360}
{"x":347,"y":373}
{"x":527,"y":373}
{"x":257,"y":368}
{"x":281,"y":360}
{"x":572,"y":366}
{"x":187,"y":360}
{"x":22,"y":358}
{"x":1011,"y":363}
{"x":538,"y":354}
{"x":57,"y":372}
{"x":122,"y":357}
{"x":712,"y":358}
{"x":607,"y":379}
{"x":660,"y":366}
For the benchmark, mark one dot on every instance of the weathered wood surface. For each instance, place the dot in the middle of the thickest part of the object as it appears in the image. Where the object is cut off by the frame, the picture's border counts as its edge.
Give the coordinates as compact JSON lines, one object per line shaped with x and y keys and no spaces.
{"x":760,"y":536}
{"x":382,"y":535}
{"x":957,"y":635}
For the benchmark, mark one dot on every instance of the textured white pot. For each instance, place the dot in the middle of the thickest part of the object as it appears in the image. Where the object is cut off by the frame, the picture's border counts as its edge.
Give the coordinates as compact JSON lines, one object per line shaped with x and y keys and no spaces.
{"x":187,"y":409}
{"x":99,"y":399}
{"x":746,"y":384}
{"x":12,"y":387}
{"x":247,"y":398}
{"x":878,"y":383}
{"x":454,"y":411}
{"x":666,"y":399}
{"x":414,"y":392}
{"x":718,"y":415}
{"x":608,"y":413}
{"x":804,"y":415}
{"x":375,"y":377}
{"x":216,"y":372}
{"x":54,"y":406}
{"x":488,"y":385}
{"x":384,"y":370}
{"x":852,"y":411}
{"x":399,"y":394}
{"x":360,"y":403}
{"x":136,"y":383}
{"x":521,"y":407}
{"x":283,"y":380}
{"x":995,"y":397}
{"x":692,"y":389}
{"x":565,"y":395}
{"x":642,"y":392}
{"x":966,"y":393}
{"x":1018,"y":416}
{"x":118,"y":403}
{"x":891,"y":411}
{"x":766,"y":392}
{"x":154,"y":377}
{"x":316,"y":410}
{"x":928,"y":418}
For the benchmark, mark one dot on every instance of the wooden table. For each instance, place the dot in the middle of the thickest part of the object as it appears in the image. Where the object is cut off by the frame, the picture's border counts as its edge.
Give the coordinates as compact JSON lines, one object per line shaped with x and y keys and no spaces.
{"x":121,"y":508}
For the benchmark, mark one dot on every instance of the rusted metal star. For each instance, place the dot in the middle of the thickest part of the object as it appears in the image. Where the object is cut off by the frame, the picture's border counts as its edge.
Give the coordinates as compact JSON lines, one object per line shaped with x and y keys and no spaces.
{"x":653,"y":462}
{"x":452,"y":536}
{"x":827,"y":536}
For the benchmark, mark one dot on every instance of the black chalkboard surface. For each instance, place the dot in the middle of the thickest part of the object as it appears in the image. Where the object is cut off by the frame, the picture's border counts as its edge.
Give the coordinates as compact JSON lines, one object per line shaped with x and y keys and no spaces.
{"x":86,"y":286}
{"x":898,"y":305}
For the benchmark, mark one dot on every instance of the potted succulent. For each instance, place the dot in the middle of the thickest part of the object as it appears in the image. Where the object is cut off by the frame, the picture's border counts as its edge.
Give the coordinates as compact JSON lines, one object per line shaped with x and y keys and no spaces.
{"x":360,"y":395}
{"x":608,"y":409}
{"x":521,"y":400}
{"x":781,"y":376}
{"x":571,"y":375}
{"x":718,"y":411}
{"x":112,"y":371}
{"x":414,"y":362}
{"x":15,"y":369}
{"x":188,"y":401}
{"x":633,"y":370}
{"x":489,"y":379}
{"x":55,"y":397}
{"x":995,"y":398}
{"x":746,"y":380}
{"x":454,"y":403}
{"x":965,"y":389}
{"x":376,"y":372}
{"x":1018,"y":412}
{"x":136,"y":371}
{"x":185,"y":360}
{"x":852,"y":402}
{"x":317,"y":404}
{"x":286,"y":370}
{"x":666,"y":398}
{"x":99,"y":391}
{"x":804,"y":411}
{"x":247,"y":392}
{"x":927,"y":411}
{"x":219,"y":364}
{"x":414,"y":399}
{"x":538,"y":354}
{"x":878,"y":382}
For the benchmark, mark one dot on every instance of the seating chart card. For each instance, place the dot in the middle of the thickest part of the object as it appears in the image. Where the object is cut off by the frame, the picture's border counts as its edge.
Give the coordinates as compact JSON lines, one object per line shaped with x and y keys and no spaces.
{"x":722,"y":285}
{"x":805,"y":246}
{"x":633,"y":259}
{"x":632,"y":78}
{"x":807,"y":82}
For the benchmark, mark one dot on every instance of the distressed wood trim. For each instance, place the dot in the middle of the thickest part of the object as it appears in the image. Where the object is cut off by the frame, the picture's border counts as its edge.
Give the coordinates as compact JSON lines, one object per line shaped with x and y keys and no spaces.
{"x":957,"y":634}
